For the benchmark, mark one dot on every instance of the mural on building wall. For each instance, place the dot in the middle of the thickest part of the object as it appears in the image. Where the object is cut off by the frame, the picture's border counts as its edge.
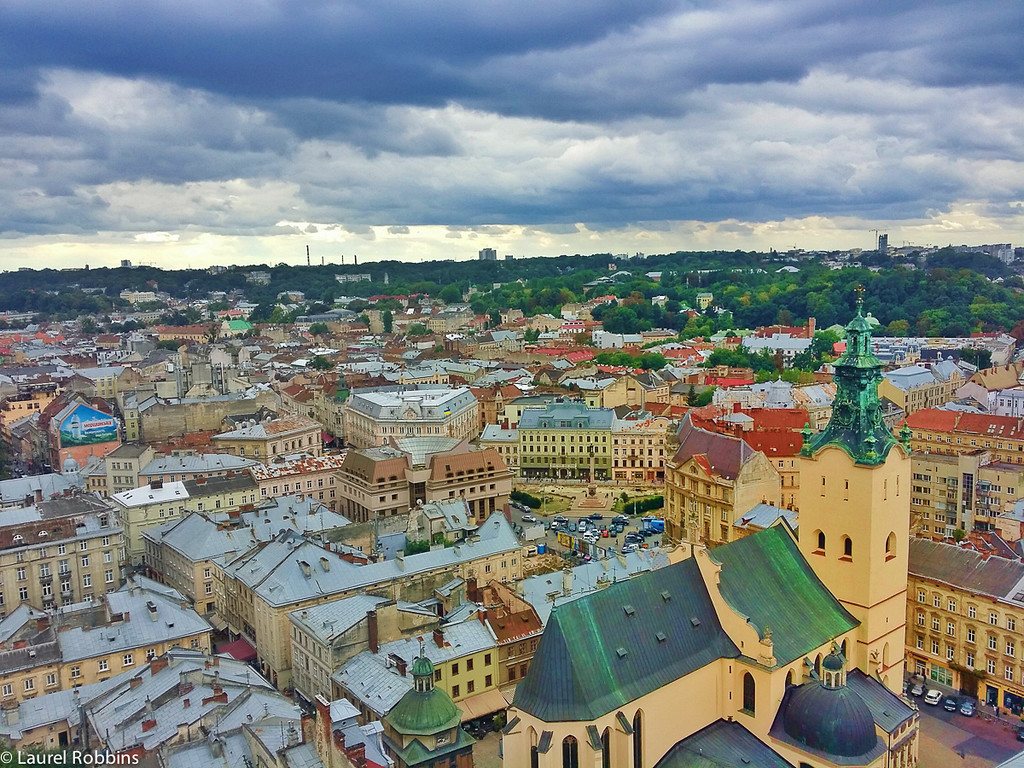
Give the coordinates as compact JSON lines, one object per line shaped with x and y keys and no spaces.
{"x":87,"y":426}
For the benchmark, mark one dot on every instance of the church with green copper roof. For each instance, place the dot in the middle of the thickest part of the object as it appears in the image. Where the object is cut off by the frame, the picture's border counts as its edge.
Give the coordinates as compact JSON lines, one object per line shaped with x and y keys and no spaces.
{"x":423,"y":728}
{"x":783,"y":648}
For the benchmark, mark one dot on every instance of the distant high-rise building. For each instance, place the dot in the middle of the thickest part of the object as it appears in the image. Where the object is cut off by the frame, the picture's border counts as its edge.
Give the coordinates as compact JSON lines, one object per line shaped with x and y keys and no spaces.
{"x":883,"y":244}
{"x":487,"y":254}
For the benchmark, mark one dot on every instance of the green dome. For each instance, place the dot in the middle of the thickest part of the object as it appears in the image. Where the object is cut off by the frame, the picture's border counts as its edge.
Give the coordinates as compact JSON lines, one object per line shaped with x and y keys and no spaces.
{"x":422,"y":666}
{"x":420,"y":713}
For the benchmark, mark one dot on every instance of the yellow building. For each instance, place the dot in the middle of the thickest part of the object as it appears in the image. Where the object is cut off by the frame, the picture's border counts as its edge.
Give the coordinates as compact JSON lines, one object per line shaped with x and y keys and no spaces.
{"x":712,"y":480}
{"x":23,"y":404}
{"x":160,"y":502}
{"x":566,"y":440}
{"x":258,"y":590}
{"x":272,"y":439}
{"x":915,"y":387}
{"x":465,"y":659}
{"x":790,"y":646}
{"x":965,"y":622}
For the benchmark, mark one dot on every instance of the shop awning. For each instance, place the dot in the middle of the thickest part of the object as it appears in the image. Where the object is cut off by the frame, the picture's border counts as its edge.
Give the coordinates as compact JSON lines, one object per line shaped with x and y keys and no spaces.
{"x":217,"y":622}
{"x":486,"y":703}
{"x":239,"y":649}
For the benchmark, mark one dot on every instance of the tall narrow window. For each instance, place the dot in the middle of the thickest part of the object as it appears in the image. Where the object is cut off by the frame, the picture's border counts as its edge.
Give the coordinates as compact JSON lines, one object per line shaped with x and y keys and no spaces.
{"x":638,"y":740}
{"x":847,"y":546}
{"x":821,"y":540}
{"x":748,"y":693}
{"x":570,"y":752}
{"x":890,"y":546}
{"x":606,"y":748}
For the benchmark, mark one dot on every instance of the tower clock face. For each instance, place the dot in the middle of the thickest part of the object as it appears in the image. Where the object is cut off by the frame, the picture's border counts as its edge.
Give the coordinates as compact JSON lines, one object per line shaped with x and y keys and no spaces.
{"x":843,"y":413}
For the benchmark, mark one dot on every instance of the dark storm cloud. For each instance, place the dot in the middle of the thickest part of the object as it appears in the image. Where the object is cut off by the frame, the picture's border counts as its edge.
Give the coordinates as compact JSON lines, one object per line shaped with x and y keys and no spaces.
{"x":232,"y":116}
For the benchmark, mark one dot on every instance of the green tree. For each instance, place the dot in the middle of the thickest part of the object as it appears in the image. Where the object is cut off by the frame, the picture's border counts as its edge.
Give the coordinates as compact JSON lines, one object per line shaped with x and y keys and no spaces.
{"x":450,"y":294}
{"x":318,"y":329}
{"x":495,"y":318}
{"x":388,"y":320}
{"x":88,"y":325}
{"x":418,"y":329}
{"x":320,"y":363}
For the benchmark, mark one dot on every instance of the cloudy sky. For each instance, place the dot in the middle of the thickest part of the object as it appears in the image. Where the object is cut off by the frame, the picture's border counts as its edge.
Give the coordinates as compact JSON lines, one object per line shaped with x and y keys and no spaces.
{"x":239,"y":131}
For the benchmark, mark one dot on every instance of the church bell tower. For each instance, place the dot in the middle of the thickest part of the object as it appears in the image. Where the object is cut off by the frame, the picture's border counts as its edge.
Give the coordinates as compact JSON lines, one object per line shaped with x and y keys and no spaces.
{"x":854,"y":525}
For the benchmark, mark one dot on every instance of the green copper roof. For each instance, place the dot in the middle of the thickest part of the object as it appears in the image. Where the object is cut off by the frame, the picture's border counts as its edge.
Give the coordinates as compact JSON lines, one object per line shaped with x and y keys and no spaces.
{"x":416,"y":753}
{"x":614,"y":645}
{"x":424,"y":713}
{"x":856,"y":425}
{"x":422,"y":667}
{"x":765,"y":578}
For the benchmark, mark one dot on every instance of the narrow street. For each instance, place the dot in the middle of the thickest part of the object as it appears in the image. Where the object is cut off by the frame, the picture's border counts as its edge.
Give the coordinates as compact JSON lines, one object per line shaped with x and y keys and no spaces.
{"x":950,"y":739}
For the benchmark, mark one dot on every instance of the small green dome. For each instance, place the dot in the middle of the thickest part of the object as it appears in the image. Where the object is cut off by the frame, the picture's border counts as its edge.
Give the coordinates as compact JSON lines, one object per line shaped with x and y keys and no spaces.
{"x":424,"y":713}
{"x":422,"y":666}
{"x":833,"y":720}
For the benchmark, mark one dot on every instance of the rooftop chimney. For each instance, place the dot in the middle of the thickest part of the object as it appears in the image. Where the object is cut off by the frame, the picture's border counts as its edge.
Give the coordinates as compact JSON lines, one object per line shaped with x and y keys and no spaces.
{"x":371,"y":631}
{"x":156,"y":483}
{"x":306,"y":569}
{"x":439,"y":638}
{"x":325,"y":563}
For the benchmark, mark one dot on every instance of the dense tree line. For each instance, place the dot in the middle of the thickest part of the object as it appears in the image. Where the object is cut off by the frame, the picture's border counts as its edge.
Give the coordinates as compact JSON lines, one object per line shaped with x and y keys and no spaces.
{"x":945,"y":293}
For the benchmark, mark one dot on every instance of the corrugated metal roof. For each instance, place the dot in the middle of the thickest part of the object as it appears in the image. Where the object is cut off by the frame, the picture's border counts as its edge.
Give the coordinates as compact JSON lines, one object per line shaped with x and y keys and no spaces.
{"x":603,"y":650}
{"x":965,"y":568}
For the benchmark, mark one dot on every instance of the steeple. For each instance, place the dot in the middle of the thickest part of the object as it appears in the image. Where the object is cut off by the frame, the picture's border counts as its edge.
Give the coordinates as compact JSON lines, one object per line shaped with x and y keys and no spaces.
{"x":856,"y":425}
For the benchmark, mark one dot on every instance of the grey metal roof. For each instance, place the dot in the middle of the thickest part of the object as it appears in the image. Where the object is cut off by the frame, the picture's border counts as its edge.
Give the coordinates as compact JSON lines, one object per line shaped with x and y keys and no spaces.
{"x":328,"y":620}
{"x":995,"y":576}
{"x":722,"y":744}
{"x":274,"y":572}
{"x":888,"y":710}
{"x":145,"y":625}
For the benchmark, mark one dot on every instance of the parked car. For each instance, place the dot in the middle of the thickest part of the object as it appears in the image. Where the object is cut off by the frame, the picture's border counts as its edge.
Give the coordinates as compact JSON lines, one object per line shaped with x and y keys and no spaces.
{"x":596,"y":516}
{"x":1020,"y":733}
{"x":933,"y":697}
{"x":604,"y":533}
{"x":626,"y":548}
{"x":572,"y":527}
{"x":528,"y":518}
{"x":561,"y":518}
{"x":950,"y":704}
{"x":917,"y":690}
{"x":967,"y":709}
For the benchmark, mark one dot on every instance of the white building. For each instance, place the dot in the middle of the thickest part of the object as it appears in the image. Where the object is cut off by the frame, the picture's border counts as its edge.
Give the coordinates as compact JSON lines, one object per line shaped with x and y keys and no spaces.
{"x":372,"y":416}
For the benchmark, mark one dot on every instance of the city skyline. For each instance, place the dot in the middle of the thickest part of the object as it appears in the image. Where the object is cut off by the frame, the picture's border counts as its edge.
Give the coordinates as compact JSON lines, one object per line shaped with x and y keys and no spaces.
{"x":190,"y":136}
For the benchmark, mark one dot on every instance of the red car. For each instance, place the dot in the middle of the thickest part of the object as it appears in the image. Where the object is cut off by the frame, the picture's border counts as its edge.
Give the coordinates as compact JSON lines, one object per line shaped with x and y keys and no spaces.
{"x":604,"y":533}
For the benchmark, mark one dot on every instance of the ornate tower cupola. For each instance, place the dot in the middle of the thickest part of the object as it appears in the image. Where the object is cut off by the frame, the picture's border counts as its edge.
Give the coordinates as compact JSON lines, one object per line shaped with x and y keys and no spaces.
{"x":856,"y":425}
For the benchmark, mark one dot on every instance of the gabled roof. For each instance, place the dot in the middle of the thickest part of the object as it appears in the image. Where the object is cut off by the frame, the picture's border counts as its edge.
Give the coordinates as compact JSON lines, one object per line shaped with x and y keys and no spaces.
{"x":621,"y":643}
{"x":765,"y":578}
{"x":726,"y":455}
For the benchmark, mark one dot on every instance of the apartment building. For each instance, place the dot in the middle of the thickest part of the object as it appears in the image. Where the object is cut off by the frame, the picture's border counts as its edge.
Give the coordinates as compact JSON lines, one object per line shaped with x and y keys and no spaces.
{"x":955,"y":432}
{"x":373,"y":415}
{"x":638,"y":448}
{"x":465,"y":660}
{"x":58,"y":552}
{"x":160,"y":502}
{"x":711,"y":482}
{"x":272,"y":439}
{"x":566,"y":440}
{"x":315,"y":476}
{"x":91,"y":641}
{"x":915,"y":387}
{"x":970,"y":491}
{"x":182,"y":552}
{"x":325,"y":637}
{"x":965,"y":622}
{"x":123,"y":465}
{"x":262,"y":587}
{"x":505,"y":442}
{"x":389,"y":480}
